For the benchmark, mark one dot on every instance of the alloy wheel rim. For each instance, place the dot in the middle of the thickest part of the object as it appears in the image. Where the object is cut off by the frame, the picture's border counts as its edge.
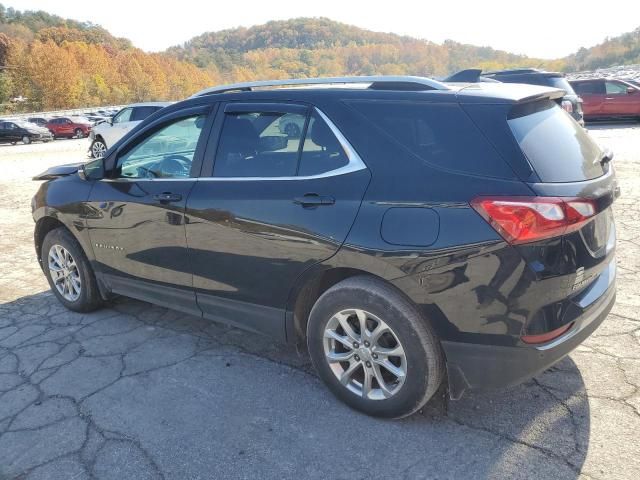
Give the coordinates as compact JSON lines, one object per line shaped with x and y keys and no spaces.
{"x":98,"y":149}
{"x":365,"y":354}
{"x":64,"y":273}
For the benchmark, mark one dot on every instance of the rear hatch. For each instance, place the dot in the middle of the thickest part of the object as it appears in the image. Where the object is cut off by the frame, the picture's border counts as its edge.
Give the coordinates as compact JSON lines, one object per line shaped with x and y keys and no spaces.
{"x":569,"y":240}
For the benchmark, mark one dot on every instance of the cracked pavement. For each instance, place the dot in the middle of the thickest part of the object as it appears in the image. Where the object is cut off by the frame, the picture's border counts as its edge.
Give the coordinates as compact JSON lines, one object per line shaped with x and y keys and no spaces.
{"x":142,"y":392}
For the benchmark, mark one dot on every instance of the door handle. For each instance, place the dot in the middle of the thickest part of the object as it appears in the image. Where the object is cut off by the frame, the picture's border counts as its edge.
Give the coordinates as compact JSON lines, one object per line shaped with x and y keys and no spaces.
{"x":167,"y":197}
{"x":314,"y":200}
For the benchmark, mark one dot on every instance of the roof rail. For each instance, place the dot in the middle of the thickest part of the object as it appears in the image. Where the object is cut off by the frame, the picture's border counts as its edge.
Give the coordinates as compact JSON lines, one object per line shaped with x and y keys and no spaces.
{"x":386,"y":82}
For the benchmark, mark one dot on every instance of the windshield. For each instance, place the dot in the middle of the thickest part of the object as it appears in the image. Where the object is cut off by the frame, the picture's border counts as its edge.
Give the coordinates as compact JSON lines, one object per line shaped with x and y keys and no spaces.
{"x":557,"y":147}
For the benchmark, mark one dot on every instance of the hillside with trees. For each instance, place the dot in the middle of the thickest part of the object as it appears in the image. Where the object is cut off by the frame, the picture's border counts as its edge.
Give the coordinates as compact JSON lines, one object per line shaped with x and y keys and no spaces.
{"x":621,"y":50}
{"x":305,"y":47}
{"x":56,"y":63}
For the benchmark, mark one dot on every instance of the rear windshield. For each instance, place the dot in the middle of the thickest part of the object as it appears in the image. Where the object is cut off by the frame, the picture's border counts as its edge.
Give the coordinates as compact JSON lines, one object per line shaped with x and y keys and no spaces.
{"x":557,"y":147}
{"x":561,"y":83}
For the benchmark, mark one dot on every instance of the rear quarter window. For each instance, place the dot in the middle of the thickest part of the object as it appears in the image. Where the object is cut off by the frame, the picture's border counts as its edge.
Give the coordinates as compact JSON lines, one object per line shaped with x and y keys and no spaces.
{"x":558,"y":149}
{"x":440,"y":135}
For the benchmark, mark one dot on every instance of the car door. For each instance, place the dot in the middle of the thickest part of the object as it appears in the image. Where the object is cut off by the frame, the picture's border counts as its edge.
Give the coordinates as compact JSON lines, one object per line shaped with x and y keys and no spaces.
{"x":618,"y":102}
{"x":592,"y":93}
{"x":63,"y":127}
{"x":4,"y":133}
{"x":274,"y":203}
{"x":118,"y":128}
{"x":15,"y":133}
{"x":136,"y":215}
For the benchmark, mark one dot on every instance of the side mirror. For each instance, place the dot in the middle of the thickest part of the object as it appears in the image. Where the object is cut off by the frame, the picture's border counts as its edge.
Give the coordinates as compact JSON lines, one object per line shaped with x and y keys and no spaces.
{"x":631,"y":90}
{"x":93,"y":170}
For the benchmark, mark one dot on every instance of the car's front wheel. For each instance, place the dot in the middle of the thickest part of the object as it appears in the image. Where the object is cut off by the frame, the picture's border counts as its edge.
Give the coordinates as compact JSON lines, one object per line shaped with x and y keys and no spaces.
{"x":373,"y":348}
{"x":78,"y":133}
{"x":69,"y":272}
{"x":98,"y":147}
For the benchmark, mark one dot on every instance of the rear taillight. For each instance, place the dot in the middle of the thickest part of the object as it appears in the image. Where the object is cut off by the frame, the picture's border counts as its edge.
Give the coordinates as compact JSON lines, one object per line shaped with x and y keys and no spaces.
{"x":567,"y":106}
{"x":528,"y":219}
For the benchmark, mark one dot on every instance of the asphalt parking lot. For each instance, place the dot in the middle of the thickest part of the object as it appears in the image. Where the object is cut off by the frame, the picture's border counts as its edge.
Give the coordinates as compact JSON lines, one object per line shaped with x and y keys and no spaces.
{"x":139,"y":392}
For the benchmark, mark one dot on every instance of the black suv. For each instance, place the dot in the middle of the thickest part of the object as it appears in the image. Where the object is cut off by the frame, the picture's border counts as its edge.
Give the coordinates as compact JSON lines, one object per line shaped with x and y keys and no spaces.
{"x":411,"y":231}
{"x":570,"y":102}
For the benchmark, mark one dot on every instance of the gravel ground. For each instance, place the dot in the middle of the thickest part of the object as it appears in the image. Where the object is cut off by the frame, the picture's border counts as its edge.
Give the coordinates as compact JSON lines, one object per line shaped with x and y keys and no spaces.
{"x":135,"y":391}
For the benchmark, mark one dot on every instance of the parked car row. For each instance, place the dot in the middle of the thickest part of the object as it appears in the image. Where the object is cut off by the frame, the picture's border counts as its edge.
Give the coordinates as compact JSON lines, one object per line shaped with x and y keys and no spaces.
{"x":584,"y":99}
{"x":570,"y":102}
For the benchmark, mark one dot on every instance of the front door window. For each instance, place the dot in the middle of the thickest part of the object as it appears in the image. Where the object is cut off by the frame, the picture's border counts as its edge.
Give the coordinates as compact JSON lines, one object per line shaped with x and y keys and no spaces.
{"x":166,"y":153}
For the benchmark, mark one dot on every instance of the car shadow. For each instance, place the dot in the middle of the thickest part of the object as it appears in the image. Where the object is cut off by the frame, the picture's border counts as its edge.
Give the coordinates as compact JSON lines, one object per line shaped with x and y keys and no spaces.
{"x":540,"y":428}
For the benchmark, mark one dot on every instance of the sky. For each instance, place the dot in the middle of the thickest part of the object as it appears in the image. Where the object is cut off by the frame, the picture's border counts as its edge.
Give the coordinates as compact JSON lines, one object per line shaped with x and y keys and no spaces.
{"x":541,"y":28}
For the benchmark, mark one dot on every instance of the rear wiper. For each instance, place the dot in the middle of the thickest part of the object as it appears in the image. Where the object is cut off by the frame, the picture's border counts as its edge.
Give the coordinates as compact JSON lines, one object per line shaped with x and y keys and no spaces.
{"x":607,"y":156}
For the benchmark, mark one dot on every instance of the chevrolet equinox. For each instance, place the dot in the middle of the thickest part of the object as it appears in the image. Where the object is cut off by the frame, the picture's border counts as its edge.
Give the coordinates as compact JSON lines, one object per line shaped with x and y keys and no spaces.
{"x":410,"y":232}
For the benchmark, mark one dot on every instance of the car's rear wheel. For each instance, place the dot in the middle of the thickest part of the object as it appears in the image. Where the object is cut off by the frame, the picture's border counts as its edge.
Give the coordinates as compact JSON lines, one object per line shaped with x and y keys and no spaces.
{"x":78,"y":133}
{"x":373,"y":348}
{"x":98,"y":147}
{"x":69,"y":272}
{"x":26,"y":140}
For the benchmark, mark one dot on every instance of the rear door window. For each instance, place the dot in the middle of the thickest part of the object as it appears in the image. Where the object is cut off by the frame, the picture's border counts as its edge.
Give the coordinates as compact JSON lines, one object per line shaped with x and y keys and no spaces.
{"x":322,"y":151}
{"x":589,"y":88}
{"x":558,"y":149}
{"x":440,"y":135}
{"x":256,"y":144}
{"x":267,"y":144}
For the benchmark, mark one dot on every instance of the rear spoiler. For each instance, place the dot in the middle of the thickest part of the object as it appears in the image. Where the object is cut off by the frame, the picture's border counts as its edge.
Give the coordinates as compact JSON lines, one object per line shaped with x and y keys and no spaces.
{"x":470,"y":75}
{"x":550,"y":94}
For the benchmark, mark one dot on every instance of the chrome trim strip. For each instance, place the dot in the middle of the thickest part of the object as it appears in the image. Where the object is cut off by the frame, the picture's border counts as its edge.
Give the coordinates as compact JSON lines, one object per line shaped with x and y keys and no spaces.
{"x":427,"y":82}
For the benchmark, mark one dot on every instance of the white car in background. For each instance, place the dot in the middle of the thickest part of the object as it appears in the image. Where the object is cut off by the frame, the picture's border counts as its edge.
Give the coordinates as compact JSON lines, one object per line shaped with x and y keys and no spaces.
{"x":106,"y":133}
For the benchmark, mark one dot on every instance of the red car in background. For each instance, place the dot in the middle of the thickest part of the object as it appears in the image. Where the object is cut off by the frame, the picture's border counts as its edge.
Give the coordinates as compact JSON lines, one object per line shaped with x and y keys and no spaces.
{"x":608,"y":98}
{"x":69,"y":127}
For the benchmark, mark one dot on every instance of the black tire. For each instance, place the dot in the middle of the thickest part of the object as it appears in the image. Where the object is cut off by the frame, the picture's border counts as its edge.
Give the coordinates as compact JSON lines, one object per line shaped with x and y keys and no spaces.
{"x":78,"y":133}
{"x":89,"y":298}
{"x":26,"y":140}
{"x":425,"y":365}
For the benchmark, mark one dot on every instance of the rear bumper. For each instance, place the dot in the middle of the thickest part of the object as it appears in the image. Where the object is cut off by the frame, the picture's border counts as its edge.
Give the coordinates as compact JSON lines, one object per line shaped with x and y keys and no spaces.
{"x":476,"y":367}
